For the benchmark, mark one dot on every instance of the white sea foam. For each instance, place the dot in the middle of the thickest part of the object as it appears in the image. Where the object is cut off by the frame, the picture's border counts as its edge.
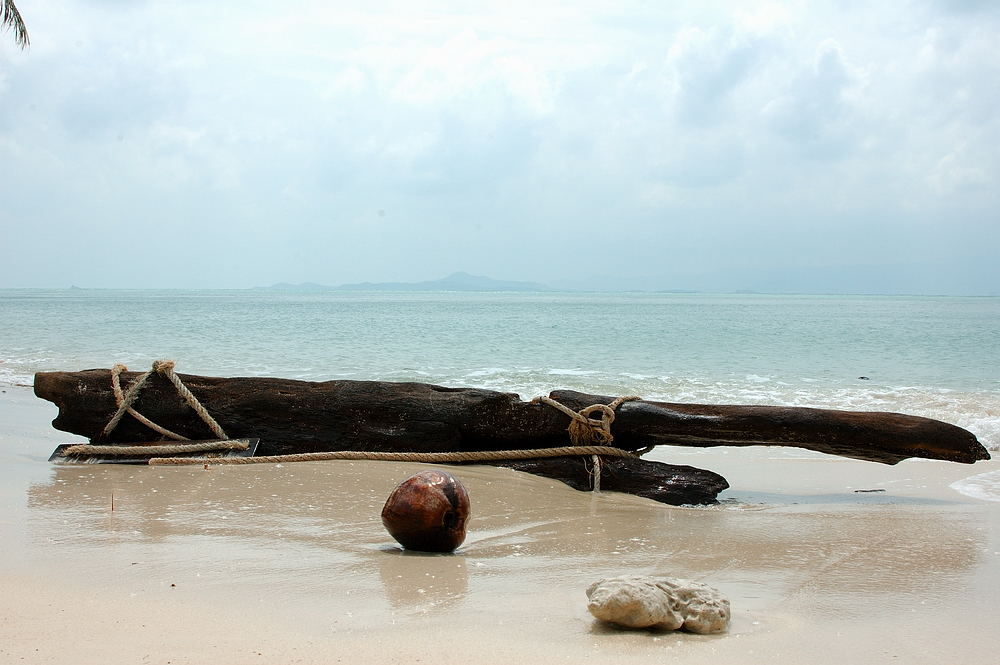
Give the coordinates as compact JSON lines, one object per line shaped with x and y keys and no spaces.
{"x":12,"y":375}
{"x":8,"y":377}
{"x":488,"y":371}
{"x":930,"y":357}
{"x":572,"y":372}
{"x":985,"y":486}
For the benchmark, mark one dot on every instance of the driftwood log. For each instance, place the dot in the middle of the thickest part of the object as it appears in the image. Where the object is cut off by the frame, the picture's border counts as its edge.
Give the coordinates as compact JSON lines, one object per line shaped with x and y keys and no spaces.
{"x":292,"y":416}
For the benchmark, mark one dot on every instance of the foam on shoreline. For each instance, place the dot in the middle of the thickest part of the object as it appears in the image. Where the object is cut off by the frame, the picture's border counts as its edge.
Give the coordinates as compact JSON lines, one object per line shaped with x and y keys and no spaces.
{"x":985,"y":486}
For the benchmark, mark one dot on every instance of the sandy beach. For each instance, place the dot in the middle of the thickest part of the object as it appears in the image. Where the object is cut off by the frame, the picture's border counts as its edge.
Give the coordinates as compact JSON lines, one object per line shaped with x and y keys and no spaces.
{"x":290,"y":563}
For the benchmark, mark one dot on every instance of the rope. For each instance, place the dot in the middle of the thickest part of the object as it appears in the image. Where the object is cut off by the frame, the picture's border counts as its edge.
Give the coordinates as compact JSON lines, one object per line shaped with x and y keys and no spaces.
{"x":437,"y":458}
{"x":166,"y":367}
{"x":125,"y":401}
{"x":169,"y":449}
{"x":584,"y":430}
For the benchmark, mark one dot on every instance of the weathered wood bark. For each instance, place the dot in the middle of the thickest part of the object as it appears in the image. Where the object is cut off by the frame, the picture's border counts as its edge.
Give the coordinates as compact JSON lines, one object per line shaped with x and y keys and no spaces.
{"x":873,"y":436}
{"x":667,"y":483}
{"x":299,"y":416}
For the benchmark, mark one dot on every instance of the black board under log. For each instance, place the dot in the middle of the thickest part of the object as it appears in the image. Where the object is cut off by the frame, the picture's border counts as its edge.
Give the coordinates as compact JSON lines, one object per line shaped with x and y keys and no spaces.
{"x":292,"y":416}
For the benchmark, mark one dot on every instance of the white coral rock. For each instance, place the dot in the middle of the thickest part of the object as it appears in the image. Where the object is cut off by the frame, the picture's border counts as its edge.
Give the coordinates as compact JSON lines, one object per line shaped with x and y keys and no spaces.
{"x":659,"y":602}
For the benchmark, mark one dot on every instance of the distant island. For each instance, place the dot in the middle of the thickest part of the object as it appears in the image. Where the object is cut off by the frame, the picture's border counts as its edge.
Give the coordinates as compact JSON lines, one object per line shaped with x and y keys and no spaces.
{"x":459,"y":281}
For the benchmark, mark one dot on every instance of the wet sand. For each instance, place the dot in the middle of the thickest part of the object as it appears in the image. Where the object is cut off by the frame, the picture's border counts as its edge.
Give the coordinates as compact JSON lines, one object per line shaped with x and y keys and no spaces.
{"x":290,"y":563}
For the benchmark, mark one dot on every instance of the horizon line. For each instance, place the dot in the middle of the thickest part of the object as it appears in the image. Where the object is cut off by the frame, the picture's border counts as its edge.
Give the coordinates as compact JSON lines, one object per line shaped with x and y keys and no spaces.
{"x":549,"y":290}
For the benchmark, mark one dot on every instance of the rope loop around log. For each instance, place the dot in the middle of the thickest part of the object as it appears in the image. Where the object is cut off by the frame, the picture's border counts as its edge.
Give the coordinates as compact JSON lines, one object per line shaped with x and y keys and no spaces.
{"x":126,"y":399}
{"x":586,"y":431}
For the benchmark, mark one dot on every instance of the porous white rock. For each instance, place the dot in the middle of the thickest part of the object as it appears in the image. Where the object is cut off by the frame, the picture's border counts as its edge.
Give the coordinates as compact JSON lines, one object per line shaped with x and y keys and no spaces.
{"x":659,"y":602}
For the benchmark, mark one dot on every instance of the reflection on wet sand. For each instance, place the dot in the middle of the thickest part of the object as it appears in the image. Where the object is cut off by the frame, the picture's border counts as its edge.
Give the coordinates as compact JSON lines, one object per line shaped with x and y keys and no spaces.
{"x":524,"y":531}
{"x":311,"y":506}
{"x":292,"y":562}
{"x":442,"y":580}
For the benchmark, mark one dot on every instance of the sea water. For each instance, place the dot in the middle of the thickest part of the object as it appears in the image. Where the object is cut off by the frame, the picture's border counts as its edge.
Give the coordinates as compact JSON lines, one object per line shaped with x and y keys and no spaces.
{"x":937,"y":357}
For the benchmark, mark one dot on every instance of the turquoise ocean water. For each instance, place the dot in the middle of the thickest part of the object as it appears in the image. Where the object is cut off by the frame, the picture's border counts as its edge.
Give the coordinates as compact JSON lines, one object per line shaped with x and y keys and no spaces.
{"x":931,"y":356}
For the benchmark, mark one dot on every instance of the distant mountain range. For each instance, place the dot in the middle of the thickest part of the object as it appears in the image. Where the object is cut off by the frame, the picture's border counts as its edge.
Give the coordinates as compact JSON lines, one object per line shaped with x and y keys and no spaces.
{"x":459,"y":281}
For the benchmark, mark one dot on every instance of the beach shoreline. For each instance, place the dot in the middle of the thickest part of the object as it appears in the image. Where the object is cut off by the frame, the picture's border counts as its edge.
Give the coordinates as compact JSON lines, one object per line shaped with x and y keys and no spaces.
{"x":290,"y":563}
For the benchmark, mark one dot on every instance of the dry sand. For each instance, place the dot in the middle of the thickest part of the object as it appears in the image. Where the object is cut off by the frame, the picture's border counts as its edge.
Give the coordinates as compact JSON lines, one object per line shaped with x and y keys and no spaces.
{"x":290,"y":563}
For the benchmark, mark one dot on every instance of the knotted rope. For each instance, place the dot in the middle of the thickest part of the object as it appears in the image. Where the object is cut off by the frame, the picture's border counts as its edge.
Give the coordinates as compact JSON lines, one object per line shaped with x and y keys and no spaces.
{"x":435,"y":458}
{"x":125,"y":401}
{"x":585,"y":431}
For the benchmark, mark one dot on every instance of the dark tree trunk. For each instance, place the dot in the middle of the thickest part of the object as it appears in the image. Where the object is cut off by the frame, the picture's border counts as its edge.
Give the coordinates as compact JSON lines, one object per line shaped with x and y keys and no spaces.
{"x":667,"y":483}
{"x":299,"y":416}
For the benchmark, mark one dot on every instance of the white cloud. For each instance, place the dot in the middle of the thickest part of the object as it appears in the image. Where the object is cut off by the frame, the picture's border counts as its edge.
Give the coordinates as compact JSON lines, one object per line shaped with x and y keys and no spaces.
{"x":818,"y":113}
{"x":506,"y":138}
{"x":954,"y":174}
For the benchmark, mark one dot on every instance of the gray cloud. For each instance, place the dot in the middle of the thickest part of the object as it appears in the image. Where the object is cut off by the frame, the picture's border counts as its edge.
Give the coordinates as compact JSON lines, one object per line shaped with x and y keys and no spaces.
{"x":815,"y":114}
{"x":708,"y":67}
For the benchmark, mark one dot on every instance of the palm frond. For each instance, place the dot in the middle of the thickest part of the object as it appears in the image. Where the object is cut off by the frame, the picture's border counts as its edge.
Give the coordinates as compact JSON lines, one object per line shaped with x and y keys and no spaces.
{"x":11,"y":19}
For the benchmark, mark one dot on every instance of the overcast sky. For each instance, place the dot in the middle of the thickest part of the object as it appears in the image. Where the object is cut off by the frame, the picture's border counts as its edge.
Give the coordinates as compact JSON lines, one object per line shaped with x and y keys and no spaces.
{"x":848,"y":147}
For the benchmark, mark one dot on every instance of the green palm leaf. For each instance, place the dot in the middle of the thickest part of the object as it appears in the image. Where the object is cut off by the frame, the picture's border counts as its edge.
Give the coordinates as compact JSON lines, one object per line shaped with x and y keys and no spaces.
{"x":11,"y":18}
